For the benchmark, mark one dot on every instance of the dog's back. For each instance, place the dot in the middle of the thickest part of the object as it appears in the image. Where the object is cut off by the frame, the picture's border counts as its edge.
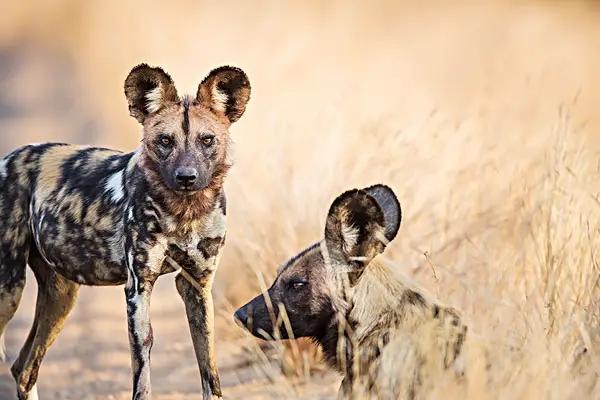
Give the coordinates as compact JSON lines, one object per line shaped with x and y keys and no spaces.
{"x":57,"y":192}
{"x":402,"y":334}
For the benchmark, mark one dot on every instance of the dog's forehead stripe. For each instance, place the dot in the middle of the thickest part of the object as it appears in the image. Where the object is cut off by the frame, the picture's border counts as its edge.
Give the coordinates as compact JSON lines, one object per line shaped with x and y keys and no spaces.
{"x":185,"y":124}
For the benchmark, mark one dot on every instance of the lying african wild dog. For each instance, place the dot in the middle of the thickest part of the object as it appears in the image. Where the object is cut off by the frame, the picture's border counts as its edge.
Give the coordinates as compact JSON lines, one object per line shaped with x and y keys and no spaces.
{"x":93,"y":216}
{"x":377,"y":329}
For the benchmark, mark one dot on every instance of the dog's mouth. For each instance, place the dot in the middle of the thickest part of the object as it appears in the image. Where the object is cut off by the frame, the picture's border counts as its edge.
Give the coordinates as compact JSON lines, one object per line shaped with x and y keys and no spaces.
{"x":187,"y":191}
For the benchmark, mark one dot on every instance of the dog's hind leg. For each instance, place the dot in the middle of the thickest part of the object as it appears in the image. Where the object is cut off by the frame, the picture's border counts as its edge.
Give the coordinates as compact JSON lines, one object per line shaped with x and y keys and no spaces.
{"x":12,"y":282}
{"x":15,"y":232}
{"x":14,"y":248}
{"x":56,"y":298}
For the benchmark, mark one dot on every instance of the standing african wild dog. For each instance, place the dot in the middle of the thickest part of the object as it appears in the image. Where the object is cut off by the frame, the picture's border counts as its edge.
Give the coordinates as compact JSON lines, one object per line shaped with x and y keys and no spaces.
{"x":378,"y":330}
{"x":93,"y":216}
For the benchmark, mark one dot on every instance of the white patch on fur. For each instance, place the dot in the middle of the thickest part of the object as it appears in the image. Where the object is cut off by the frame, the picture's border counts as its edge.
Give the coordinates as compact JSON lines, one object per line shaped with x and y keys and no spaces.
{"x":211,"y":225}
{"x":155,"y":212}
{"x":133,"y":160}
{"x":115,"y":185}
{"x":154,"y":99}
{"x":130,"y":214}
{"x":168,"y":223}
{"x":3,"y":172}
{"x":33,"y":393}
{"x":132,"y":280}
{"x":215,"y":225}
{"x":219,"y":99}
{"x":156,"y":254}
{"x":3,"y":357}
{"x":36,"y":233}
{"x":349,"y":236}
{"x":459,"y":366}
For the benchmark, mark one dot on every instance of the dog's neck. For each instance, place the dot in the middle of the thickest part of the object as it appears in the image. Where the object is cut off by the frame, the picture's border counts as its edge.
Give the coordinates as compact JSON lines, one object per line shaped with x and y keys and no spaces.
{"x":336,"y":343}
{"x":358,"y":308}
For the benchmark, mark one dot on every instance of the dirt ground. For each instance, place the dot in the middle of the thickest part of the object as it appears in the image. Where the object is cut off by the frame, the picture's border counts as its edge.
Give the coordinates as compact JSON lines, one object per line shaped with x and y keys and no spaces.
{"x":90,"y":358}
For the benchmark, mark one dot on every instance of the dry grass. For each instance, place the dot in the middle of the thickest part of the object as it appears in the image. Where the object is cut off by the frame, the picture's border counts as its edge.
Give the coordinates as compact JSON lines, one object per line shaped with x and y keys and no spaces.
{"x":484,"y":119}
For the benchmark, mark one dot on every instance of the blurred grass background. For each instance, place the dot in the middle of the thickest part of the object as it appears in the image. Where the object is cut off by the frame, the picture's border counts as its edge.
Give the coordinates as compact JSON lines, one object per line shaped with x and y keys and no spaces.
{"x":483,"y":117}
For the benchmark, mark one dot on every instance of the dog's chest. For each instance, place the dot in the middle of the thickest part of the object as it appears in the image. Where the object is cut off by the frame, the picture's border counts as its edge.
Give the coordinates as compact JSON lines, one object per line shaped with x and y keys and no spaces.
{"x":196,"y":248}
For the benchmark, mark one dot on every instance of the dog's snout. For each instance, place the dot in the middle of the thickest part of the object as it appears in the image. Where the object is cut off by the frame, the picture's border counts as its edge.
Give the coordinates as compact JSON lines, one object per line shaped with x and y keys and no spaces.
{"x":186,"y":176}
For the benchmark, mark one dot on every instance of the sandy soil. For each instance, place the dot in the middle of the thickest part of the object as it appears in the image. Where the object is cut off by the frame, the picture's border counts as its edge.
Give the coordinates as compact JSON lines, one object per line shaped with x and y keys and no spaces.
{"x":90,"y":358}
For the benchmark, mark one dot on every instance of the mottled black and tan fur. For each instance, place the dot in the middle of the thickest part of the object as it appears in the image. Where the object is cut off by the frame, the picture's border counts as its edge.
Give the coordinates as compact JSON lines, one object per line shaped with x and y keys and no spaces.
{"x":385,"y":335}
{"x":94,"y":216}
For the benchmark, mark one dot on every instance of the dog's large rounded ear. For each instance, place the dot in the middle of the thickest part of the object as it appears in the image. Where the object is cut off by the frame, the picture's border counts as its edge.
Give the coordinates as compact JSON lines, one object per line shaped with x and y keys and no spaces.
{"x":226,"y":91}
{"x":148,"y":90}
{"x":354,"y":229}
{"x":387,"y":200}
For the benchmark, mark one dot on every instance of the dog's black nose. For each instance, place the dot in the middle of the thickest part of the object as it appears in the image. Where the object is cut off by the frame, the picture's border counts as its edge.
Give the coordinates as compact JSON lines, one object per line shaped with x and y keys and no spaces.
{"x":241,"y":315}
{"x":186,"y":176}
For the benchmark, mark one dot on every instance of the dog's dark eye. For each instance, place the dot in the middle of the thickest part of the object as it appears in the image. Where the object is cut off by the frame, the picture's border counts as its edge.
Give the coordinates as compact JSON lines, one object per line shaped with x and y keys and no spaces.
{"x":166,"y":141}
{"x":208,"y":140}
{"x":298,"y":284}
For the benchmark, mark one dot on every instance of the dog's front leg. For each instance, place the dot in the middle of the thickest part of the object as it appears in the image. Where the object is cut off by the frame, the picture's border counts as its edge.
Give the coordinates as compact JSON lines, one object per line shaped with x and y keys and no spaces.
{"x":196,"y":294}
{"x":137,"y":291}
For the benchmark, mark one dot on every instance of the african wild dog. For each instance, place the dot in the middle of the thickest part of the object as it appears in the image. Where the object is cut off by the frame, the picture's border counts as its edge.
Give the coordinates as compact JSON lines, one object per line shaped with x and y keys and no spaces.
{"x":376,"y":328}
{"x":93,"y":216}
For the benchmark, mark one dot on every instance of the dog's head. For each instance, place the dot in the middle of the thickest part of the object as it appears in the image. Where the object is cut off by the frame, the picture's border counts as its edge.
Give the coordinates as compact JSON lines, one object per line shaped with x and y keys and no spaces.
{"x":359,"y":225}
{"x":186,"y":139}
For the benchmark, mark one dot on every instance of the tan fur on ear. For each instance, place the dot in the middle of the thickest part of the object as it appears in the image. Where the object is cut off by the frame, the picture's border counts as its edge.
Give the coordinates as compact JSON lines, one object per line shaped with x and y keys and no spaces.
{"x":354,"y":224}
{"x":225,"y":91}
{"x":148,"y":90}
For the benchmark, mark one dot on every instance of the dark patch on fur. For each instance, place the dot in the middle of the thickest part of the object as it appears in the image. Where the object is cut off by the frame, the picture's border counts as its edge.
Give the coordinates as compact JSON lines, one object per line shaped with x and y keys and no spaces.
{"x":413,"y":298}
{"x":185,"y":124}
{"x":186,"y":262}
{"x":223,"y":202}
{"x":459,"y":342}
{"x":210,"y":247}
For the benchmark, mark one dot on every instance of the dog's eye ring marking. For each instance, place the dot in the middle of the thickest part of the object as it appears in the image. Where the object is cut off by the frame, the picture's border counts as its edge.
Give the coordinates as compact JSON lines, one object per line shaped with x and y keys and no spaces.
{"x":207,"y":140}
{"x":166,"y":140}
